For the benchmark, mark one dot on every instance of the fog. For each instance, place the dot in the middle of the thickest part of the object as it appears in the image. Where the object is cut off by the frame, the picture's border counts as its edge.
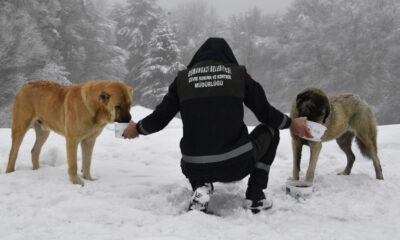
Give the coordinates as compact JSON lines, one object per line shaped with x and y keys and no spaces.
{"x":339,"y":46}
{"x":226,"y":8}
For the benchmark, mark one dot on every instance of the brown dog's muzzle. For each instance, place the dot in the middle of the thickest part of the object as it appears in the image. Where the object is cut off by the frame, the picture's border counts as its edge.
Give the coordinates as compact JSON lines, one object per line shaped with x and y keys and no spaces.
{"x":123,"y":116}
{"x":311,"y":114}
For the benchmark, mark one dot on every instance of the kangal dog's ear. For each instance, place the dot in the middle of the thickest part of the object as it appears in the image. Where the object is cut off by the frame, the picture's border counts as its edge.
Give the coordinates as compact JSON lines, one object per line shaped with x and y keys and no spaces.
{"x":327,"y":111}
{"x":103,"y":115}
{"x":301,"y":98}
{"x":96,"y":103}
{"x":86,"y":98}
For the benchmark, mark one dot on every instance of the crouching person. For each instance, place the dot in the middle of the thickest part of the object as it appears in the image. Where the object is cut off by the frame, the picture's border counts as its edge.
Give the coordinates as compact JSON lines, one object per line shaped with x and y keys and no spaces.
{"x":216,"y":145}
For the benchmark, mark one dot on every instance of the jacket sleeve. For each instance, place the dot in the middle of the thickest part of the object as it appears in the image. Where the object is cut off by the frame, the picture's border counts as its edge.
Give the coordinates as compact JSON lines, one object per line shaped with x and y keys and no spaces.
{"x":163,"y":113}
{"x":256,"y":100}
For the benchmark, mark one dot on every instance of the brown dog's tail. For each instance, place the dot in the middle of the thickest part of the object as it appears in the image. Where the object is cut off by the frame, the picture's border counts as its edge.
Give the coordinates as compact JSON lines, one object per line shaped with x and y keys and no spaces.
{"x":367,"y":132}
{"x":363,"y":148}
{"x":368,"y":149}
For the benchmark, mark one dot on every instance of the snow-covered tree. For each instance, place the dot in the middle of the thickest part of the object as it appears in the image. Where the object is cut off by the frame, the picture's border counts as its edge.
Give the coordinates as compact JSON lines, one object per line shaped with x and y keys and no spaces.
{"x":22,"y":51}
{"x":89,"y":47}
{"x":249,"y":37}
{"x":194,"y":21}
{"x":154,"y":57}
{"x":135,"y":23}
{"x":343,"y":46}
{"x":59,"y":40}
{"x":52,"y":71}
{"x":159,"y":67}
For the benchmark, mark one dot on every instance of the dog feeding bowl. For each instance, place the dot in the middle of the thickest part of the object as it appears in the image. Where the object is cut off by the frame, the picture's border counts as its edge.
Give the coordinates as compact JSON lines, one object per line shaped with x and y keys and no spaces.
{"x":299,"y":189}
{"x":316,"y":129}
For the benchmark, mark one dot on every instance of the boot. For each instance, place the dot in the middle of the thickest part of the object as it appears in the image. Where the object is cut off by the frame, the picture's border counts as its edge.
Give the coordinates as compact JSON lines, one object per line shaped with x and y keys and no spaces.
{"x":201,"y":197}
{"x":256,"y":200}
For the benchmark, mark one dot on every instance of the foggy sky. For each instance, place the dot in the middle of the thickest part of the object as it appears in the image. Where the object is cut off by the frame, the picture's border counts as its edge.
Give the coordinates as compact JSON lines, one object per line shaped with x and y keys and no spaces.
{"x":226,"y":8}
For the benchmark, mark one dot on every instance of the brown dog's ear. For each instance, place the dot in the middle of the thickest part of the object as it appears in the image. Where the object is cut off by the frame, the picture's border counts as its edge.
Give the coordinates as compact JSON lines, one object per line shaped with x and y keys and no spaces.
{"x":102,"y":116}
{"x":327,"y":112}
{"x":130,"y":92}
{"x":301,"y":98}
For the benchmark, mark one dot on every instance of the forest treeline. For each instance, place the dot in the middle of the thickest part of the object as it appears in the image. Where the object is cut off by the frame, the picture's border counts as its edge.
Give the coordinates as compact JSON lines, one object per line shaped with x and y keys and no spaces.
{"x":340,"y":46}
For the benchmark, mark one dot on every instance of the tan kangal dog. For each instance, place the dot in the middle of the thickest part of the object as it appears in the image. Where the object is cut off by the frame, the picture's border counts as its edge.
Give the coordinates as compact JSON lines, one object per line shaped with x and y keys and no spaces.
{"x":346,"y":117}
{"x":78,"y":112}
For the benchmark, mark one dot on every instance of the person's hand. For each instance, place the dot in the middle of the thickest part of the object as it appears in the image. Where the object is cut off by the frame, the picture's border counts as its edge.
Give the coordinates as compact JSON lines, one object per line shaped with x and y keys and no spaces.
{"x":299,"y":127}
{"x":130,"y":132}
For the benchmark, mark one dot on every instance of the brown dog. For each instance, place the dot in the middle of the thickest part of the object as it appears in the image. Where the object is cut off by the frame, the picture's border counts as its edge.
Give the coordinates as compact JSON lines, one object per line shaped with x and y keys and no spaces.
{"x":346,"y":117}
{"x":78,"y":112}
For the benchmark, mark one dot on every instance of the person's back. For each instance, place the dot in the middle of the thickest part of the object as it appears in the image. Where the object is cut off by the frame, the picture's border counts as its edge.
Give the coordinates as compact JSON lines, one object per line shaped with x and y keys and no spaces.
{"x":211,"y":96}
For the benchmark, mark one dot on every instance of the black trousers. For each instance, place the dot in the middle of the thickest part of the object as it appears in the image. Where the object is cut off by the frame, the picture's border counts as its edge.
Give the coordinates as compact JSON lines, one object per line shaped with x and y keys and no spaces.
{"x":265,"y":140}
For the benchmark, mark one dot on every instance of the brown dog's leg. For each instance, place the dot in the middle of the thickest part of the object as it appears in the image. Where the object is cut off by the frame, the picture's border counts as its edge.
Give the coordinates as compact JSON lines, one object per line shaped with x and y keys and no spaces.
{"x":72,"y":148}
{"x":19,"y":129}
{"x":87,"y":151}
{"x":16,"y":143}
{"x":297,"y":147}
{"x":344,"y":143}
{"x":368,"y":147}
{"x":315,"y":149}
{"x":41,"y":136}
{"x":377,"y":165}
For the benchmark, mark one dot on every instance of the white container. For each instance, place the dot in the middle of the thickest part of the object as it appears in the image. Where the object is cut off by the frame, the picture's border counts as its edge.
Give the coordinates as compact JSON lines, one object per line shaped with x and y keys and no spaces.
{"x":317,"y":131}
{"x":299,"y":189}
{"x":119,"y":129}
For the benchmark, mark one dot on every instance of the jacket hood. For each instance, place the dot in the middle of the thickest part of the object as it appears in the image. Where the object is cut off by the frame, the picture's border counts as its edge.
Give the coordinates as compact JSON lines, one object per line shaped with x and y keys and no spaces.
{"x":216,"y":49}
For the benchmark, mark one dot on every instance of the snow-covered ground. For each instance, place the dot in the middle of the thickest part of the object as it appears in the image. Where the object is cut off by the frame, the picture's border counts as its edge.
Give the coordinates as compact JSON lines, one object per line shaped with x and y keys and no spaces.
{"x":140,"y":193}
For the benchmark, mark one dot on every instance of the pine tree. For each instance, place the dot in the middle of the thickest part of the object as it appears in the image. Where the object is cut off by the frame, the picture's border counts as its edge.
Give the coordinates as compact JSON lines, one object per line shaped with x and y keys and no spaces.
{"x":89,"y":48}
{"x":343,"y":46}
{"x":194,"y":21}
{"x":159,"y":67}
{"x":22,"y":51}
{"x":152,"y":47}
{"x":59,"y":40}
{"x":134,"y":26}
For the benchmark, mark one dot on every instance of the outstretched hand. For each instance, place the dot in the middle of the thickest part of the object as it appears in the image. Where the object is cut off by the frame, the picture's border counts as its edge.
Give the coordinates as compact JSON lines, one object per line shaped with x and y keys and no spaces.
{"x":299,"y":127}
{"x":131,"y":131}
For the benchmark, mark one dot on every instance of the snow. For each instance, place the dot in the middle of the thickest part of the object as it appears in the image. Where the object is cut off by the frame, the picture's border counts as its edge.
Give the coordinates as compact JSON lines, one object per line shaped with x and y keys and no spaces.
{"x":140,"y":193}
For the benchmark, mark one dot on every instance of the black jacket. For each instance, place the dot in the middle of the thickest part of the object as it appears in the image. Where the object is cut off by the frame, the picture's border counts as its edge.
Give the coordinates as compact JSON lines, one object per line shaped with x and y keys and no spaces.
{"x":210,"y":96}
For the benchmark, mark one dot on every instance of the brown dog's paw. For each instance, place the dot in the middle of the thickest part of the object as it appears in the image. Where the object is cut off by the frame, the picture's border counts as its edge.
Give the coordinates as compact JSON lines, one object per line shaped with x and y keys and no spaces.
{"x":87,"y":176}
{"x":343,"y":173}
{"x":10,"y":170}
{"x":77,"y":180}
{"x":379,"y":176}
